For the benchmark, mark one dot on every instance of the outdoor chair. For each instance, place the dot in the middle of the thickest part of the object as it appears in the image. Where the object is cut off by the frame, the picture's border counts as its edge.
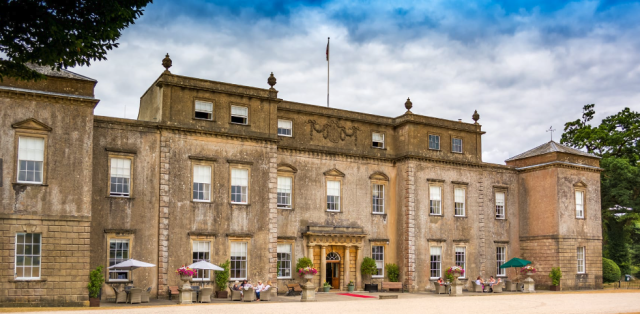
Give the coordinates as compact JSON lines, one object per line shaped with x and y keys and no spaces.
{"x":249,"y":295}
{"x":145,"y":295}
{"x":173,"y":290}
{"x":205,"y":295}
{"x":497,"y":288}
{"x":266,"y":294}
{"x":110,"y":293}
{"x":294,"y":289}
{"x":135,"y":295}
{"x":438,"y":288}
{"x":236,"y":295}
{"x":121,"y":296}
{"x":475,"y":287}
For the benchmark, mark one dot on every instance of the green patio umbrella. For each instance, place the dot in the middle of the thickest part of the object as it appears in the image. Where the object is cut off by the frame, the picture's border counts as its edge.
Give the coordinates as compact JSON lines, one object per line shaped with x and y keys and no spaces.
{"x":515,"y":262}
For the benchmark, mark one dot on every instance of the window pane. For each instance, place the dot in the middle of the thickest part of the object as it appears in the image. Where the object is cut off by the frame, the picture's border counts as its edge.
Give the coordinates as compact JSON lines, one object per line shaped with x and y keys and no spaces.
{"x":204,"y":106}
{"x":284,"y":124}
{"x":31,"y":148}
{"x":239,"y":111}
{"x":202,"y":174}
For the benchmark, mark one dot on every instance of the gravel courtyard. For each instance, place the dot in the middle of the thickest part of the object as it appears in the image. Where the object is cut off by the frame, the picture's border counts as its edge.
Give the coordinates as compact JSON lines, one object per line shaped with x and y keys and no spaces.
{"x":579,"y":303}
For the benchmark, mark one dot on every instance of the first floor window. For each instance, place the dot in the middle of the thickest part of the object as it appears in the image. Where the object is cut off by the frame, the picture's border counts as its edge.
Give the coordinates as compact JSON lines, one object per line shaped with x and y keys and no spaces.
{"x":239,"y":185}
{"x":30,"y":159}
{"x":201,"y":183}
{"x":201,"y":253}
{"x":461,"y":259}
{"x":378,"y":198}
{"x":456,"y":145}
{"x":118,"y":253}
{"x":500,"y":205}
{"x":284,"y":191}
{"x":239,"y":115}
{"x":285,"y":127}
{"x":378,"y":140}
{"x":120,"y":177}
{"x":459,"y":201}
{"x":238,"y":260}
{"x":377,"y":253}
{"x":436,"y":262}
{"x":581,"y":260}
{"x":435,"y":200}
{"x":501,"y":257}
{"x":434,"y":142}
{"x":204,"y":110}
{"x":579,"y":204}
{"x":284,"y":260}
{"x":333,"y":196}
{"x":28,"y":255}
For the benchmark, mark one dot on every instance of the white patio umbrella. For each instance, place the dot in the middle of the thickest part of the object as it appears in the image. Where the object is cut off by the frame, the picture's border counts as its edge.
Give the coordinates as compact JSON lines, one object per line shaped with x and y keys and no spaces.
{"x":131,"y":264}
{"x":204,"y":265}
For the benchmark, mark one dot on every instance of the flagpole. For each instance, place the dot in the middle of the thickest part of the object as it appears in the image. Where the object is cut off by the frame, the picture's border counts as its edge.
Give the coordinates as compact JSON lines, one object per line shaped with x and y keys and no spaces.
{"x":328,"y":62}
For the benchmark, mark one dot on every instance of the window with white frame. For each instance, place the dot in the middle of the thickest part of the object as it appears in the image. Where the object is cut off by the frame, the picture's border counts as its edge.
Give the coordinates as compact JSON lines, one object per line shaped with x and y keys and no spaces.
{"x":201,"y":252}
{"x":434,"y":142}
{"x":120,"y":177}
{"x":435,"y":200}
{"x":238,"y":266}
{"x":239,"y":115}
{"x":456,"y":145}
{"x":333,"y":195}
{"x":500,"y":205}
{"x":378,"y":199}
{"x":461,"y":259}
{"x":30,"y":159}
{"x":581,"y":260}
{"x":285,"y":127}
{"x":459,"y":198}
{"x":436,"y":262}
{"x":118,"y":253}
{"x":501,"y":258}
{"x":285,"y":186}
{"x":377,"y":139}
{"x":239,"y":185}
{"x":284,"y":260}
{"x":28,"y":255}
{"x":204,"y":110}
{"x":201,"y":183}
{"x":377,"y":253}
{"x":579,"y":204}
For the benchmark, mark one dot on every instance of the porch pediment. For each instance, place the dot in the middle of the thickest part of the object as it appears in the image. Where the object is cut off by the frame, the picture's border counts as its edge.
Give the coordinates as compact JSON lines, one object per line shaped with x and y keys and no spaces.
{"x":333,"y":235}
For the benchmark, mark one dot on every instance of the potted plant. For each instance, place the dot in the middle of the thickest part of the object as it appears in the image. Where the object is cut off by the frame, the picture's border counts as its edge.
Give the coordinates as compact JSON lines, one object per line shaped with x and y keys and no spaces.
{"x":303,"y":262}
{"x":95,"y":286}
{"x":326,"y":286}
{"x":393,"y":272}
{"x":369,"y":268}
{"x":222,"y":280}
{"x":351,"y":286}
{"x":185,"y":275}
{"x":555,"y":275}
{"x":454,"y":272}
{"x":528,"y":270}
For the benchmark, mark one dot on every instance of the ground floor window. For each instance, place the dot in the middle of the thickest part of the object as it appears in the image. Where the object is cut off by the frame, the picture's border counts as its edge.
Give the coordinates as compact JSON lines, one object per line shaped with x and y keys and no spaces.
{"x":581,"y":260}
{"x":238,"y":260}
{"x":201,"y":253}
{"x":28,"y":255}
{"x":436,"y":262}
{"x":377,"y":253}
{"x":461,"y":259}
{"x":118,"y":253}
{"x":501,"y":257}
{"x":284,"y":260}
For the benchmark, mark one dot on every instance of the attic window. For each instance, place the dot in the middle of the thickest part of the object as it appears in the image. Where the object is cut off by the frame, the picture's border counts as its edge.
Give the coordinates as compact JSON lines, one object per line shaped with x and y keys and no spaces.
{"x":378,"y":140}
{"x":239,"y":115}
{"x":204,"y":110}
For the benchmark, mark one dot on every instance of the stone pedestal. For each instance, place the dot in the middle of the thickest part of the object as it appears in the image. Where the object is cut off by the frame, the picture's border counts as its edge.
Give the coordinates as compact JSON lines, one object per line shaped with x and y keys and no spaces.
{"x":308,"y":290}
{"x":185,"y":296}
{"x":456,"y":287}
{"x":529,"y":285}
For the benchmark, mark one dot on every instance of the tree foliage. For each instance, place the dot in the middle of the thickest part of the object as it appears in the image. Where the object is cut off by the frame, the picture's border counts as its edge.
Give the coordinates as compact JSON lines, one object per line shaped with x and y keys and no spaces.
{"x":393,"y":272}
{"x":610,"y":271}
{"x":368,"y":267}
{"x":60,"y":33}
{"x":222,"y":276}
{"x":555,"y":275}
{"x":96,"y":279}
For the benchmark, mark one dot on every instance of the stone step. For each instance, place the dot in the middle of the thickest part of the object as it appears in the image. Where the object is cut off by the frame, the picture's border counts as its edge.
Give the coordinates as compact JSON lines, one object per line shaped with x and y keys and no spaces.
{"x":387,"y":296}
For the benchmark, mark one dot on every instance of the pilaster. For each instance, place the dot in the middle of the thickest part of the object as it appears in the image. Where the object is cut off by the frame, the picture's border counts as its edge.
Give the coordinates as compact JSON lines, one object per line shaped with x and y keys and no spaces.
{"x":273,"y":214}
{"x":409,"y":247}
{"x":163,"y":221}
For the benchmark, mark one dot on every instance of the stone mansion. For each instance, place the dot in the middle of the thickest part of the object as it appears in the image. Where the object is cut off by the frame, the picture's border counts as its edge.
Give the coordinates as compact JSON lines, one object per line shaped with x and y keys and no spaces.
{"x":217,"y":171}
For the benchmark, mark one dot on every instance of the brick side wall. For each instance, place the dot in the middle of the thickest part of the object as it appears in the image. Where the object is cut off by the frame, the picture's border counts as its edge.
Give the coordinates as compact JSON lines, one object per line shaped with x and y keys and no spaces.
{"x":64,"y":262}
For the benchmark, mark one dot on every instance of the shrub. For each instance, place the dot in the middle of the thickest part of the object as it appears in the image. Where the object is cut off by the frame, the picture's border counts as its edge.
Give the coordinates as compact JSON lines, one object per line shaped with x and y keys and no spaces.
{"x":95,"y":282}
{"x":303,"y":262}
{"x":393,"y":272}
{"x":555,"y":275}
{"x":610,"y":271}
{"x":369,"y":267}
{"x":222,"y":277}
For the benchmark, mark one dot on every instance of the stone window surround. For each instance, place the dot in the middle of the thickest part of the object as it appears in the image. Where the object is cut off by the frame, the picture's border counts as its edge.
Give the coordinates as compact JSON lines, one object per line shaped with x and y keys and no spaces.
{"x":202,"y":238}
{"x":506,"y":254}
{"x":442,"y":245}
{"x":501,"y":189}
{"x":580,"y":187}
{"x":202,"y":162}
{"x":460,"y":185}
{"x":27,"y":228}
{"x":30,"y":133}
{"x":334,"y":175}
{"x":438,"y":183}
{"x":461,"y":145}
{"x":291,"y":242}
{"x":231,"y":105}
{"x":241,"y":165}
{"x":286,"y":119}
{"x":118,"y":236}
{"x":246,"y":240}
{"x":584,"y":261}
{"x":379,"y":178}
{"x":384,"y":139}
{"x":287,"y":170}
{"x":122,"y":155}
{"x":383,"y":244}
{"x":204,"y":99}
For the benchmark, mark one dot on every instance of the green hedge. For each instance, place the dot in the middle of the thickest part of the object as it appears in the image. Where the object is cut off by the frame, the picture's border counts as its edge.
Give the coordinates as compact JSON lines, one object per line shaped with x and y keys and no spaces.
{"x":610,"y":271}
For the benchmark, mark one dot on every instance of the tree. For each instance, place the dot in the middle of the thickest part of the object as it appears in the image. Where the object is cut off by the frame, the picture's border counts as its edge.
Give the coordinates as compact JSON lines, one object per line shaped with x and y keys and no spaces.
{"x":369,"y":267}
{"x":617,"y":141}
{"x":60,"y":33}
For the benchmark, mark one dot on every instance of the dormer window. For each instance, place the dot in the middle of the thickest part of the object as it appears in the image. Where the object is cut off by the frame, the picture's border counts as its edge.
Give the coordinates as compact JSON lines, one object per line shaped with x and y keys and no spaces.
{"x":239,"y":115}
{"x":204,"y":110}
{"x":378,"y":140}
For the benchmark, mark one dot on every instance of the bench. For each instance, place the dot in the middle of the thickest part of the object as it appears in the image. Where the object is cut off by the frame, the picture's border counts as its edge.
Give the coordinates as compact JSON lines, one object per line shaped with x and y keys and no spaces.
{"x":294,"y":289}
{"x":387,"y":285}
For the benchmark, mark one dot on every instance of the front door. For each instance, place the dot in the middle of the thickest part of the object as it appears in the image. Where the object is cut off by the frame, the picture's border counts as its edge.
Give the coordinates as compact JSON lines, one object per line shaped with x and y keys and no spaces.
{"x":333,"y":275}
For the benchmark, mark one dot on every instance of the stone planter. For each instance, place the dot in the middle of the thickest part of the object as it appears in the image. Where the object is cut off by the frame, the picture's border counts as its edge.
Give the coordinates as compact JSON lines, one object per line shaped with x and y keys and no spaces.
{"x":186,"y":280}
{"x":456,"y":275}
{"x":308,"y":289}
{"x":350,"y":288}
{"x":529,"y":285}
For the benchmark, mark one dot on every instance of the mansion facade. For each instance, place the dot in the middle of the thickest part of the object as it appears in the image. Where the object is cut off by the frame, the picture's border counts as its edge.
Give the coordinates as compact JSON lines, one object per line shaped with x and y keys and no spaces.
{"x":216,"y":171}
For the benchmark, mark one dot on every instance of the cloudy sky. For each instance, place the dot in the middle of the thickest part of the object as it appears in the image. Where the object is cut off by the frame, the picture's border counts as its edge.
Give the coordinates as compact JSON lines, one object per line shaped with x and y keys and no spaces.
{"x":524,"y":65}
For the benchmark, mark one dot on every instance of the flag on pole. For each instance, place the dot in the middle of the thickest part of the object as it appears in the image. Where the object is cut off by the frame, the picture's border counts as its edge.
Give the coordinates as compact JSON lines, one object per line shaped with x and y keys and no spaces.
{"x":327,"y":49}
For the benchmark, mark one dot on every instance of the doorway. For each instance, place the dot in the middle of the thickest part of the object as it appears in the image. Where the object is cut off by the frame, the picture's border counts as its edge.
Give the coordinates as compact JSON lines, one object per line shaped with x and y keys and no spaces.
{"x":333,"y":270}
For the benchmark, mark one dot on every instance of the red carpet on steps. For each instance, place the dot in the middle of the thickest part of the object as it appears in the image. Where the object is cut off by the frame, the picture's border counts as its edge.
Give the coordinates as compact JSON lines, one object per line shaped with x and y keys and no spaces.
{"x":356,"y":295}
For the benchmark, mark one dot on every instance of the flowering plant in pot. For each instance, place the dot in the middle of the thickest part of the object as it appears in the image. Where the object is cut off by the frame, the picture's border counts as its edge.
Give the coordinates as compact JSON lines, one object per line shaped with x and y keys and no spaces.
{"x":528,"y":270}
{"x":185,"y":271}
{"x":455,"y":271}
{"x":351,"y":286}
{"x":309,"y":270}
{"x":326,"y":286}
